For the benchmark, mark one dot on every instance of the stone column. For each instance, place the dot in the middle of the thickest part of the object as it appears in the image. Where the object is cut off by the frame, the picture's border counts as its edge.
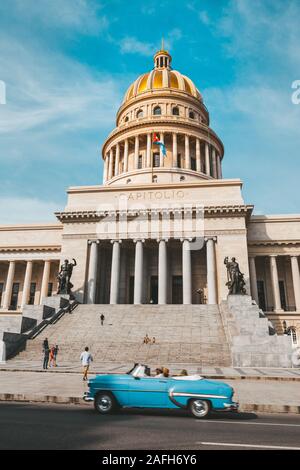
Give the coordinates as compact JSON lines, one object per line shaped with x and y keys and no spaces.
{"x":161,"y":157}
{"x":214,"y":163}
{"x":211,"y":271}
{"x":219,"y":166}
{"x":115,"y":272}
{"x":198,"y":155}
{"x":275,"y":283}
{"x":26,"y":285}
{"x":187,"y":152}
{"x":207,"y":162}
{"x":136,"y":151}
{"x":148,"y":152}
{"x":45,"y":280}
{"x":162,"y":272}
{"x":9,"y":284}
{"x":138,"y":272}
{"x":174,"y":151}
{"x":117,"y":162}
{"x":126,"y":155}
{"x":186,"y":272}
{"x":253,"y":279}
{"x":296,"y":281}
{"x":111,"y":164}
{"x":92,"y":272}
{"x":105,"y":171}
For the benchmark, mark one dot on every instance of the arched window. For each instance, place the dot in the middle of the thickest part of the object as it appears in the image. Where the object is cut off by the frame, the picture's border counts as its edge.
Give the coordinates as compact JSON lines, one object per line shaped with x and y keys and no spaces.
{"x":175,"y":111}
{"x":128,"y":181}
{"x":140,"y":162}
{"x":154,"y":179}
{"x":191,"y":115}
{"x":126,"y":119}
{"x":157,"y":111}
{"x":140,"y":113}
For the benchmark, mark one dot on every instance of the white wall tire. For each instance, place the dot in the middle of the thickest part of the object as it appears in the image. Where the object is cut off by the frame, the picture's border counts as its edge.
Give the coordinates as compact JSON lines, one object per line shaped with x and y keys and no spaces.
{"x":105,"y":403}
{"x":199,"y":408}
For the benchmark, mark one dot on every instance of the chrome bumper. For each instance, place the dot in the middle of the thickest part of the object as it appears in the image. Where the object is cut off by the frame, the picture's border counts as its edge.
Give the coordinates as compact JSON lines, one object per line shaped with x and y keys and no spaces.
{"x":86,"y":397}
{"x":234,"y":406}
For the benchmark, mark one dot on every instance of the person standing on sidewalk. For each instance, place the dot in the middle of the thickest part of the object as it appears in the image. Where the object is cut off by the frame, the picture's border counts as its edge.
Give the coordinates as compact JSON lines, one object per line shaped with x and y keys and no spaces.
{"x":102,"y":318}
{"x":86,"y":359}
{"x":56,"y":349}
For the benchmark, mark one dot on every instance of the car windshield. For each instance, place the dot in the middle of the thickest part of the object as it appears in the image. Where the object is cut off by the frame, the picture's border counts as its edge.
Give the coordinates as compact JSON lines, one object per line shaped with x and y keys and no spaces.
{"x":139,"y":370}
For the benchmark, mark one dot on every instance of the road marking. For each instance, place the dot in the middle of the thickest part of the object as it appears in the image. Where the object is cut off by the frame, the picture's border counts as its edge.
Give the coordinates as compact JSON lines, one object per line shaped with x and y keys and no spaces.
{"x":232,"y":444}
{"x":249,"y":424}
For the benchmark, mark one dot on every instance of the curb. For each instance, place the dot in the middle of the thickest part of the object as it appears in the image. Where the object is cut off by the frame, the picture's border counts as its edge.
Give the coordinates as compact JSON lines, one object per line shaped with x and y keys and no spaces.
{"x":244,"y":407}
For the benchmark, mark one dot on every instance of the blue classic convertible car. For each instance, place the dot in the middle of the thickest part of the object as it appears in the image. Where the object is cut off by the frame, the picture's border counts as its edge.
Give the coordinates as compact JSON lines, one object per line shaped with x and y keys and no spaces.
{"x":138,"y":389}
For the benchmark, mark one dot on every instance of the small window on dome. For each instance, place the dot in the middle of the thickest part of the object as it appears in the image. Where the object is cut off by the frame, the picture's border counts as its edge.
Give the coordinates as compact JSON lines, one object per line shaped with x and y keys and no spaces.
{"x":182,"y":178}
{"x":126,"y":119}
{"x":140,"y":113}
{"x":154,"y":179}
{"x":191,"y":115}
{"x":175,"y":111}
{"x":157,"y":111}
{"x":128,"y":181}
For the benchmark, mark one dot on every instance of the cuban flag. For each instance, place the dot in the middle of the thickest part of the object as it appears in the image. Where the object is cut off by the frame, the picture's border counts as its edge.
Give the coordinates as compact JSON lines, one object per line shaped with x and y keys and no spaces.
{"x":162,"y":146}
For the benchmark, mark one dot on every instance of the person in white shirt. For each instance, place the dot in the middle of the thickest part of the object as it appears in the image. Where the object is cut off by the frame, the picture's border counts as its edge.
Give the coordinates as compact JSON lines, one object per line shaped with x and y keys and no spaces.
{"x":86,"y":358}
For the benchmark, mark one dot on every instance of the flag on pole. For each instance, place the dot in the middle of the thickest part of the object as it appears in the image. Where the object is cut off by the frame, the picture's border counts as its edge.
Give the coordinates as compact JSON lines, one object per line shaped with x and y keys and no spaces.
{"x":161,"y":145}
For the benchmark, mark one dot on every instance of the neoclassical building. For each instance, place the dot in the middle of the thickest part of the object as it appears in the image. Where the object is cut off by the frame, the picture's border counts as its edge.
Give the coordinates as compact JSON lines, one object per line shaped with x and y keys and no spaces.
{"x":159,"y":227}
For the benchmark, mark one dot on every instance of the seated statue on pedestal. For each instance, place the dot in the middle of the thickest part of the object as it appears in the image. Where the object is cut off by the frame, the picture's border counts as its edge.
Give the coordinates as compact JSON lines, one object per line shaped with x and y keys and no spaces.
{"x":235,"y":279}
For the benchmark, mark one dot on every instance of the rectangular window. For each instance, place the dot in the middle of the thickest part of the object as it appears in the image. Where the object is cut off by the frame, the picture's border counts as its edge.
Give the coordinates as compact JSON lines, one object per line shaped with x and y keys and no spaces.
{"x":14,"y":296}
{"x":193,"y":164}
{"x":261,"y":295}
{"x":179,"y":160}
{"x":1,"y":291}
{"x":32,"y":293}
{"x":156,"y":160}
{"x":50,"y":289}
{"x":282,"y":295}
{"x":140,"y":162}
{"x":177,"y":290}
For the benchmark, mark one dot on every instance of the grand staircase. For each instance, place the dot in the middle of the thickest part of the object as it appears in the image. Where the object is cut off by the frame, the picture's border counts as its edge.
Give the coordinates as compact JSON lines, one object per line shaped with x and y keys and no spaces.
{"x":187,"y":334}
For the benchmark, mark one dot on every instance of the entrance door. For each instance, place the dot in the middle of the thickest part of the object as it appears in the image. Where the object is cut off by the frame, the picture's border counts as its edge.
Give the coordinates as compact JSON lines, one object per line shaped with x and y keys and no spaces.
{"x":154,"y":289}
{"x":14,"y":296}
{"x":177,"y":297}
{"x":131,"y":290}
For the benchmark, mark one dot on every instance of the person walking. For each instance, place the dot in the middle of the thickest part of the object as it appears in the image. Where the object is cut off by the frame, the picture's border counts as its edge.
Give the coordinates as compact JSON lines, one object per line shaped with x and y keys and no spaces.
{"x":102,"y":318}
{"x":52,"y":357}
{"x":86,"y":359}
{"x":45,"y":343}
{"x":46,"y":352}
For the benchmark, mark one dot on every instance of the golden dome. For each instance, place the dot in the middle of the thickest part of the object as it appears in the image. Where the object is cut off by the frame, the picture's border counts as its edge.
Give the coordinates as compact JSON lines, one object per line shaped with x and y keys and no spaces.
{"x":160,"y":78}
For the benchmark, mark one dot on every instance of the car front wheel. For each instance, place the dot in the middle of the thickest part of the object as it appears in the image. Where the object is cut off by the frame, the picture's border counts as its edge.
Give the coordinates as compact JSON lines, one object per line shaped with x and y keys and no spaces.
{"x":199,"y":408}
{"x":105,"y":403}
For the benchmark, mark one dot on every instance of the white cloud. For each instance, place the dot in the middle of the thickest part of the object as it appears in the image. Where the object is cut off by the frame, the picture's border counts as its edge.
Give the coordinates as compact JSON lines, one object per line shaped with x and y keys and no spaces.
{"x":14,"y":210}
{"x":79,"y":15}
{"x":131,"y":45}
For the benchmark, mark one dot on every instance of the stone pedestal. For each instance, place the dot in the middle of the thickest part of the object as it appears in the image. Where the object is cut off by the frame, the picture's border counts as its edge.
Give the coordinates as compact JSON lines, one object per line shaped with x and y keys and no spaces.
{"x":56,"y":301}
{"x":248,"y":334}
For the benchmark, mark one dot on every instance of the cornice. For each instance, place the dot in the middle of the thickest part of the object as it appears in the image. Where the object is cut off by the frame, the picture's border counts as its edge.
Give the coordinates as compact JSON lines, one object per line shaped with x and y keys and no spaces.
{"x":22,"y":228}
{"x":27,"y":248}
{"x":96,"y":216}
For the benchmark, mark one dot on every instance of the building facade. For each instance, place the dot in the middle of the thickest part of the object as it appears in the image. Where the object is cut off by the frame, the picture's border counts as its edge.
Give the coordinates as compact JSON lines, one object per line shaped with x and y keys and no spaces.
{"x":160,"y":226}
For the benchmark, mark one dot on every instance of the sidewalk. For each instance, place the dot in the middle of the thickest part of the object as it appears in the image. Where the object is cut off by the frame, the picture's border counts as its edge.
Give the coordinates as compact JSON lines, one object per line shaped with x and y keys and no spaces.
{"x":232,"y":373}
{"x":271,"y":395}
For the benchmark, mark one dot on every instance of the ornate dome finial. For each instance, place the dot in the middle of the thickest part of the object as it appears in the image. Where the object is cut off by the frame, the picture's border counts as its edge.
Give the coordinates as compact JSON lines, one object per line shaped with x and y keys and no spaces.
{"x":162,"y":59}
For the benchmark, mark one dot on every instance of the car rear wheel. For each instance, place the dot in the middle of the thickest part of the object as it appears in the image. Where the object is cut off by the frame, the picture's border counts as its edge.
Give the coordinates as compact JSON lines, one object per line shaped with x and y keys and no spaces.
{"x":199,"y":408}
{"x":105,"y":403}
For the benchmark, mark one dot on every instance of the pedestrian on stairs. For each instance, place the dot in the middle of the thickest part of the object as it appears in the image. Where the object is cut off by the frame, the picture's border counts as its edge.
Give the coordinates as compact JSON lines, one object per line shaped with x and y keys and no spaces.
{"x":46,"y":352}
{"x":102,"y":318}
{"x":86,"y":359}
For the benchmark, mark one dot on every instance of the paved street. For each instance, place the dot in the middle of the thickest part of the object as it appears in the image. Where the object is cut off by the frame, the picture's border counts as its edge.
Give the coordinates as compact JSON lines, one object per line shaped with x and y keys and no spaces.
{"x":45,"y":426}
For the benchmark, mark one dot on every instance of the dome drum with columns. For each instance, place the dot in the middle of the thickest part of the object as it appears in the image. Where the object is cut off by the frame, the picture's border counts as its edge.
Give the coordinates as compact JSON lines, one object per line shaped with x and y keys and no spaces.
{"x":168,"y":104}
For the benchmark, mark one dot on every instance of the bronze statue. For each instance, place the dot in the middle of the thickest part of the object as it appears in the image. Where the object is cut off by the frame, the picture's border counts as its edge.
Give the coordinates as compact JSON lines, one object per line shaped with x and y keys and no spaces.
{"x":64,"y":277}
{"x":235,"y":279}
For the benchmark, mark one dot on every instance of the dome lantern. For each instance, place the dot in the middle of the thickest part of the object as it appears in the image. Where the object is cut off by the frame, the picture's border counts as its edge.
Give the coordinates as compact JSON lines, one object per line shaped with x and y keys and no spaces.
{"x":162,"y":59}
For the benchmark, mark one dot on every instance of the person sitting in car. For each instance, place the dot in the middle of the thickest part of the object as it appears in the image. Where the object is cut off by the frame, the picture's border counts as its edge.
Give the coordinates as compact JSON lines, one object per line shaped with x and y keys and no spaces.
{"x":159,"y":372}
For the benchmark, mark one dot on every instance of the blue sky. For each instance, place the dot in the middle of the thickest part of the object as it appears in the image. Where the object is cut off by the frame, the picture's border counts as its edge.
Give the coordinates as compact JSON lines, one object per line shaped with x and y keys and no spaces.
{"x":67,"y":64}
